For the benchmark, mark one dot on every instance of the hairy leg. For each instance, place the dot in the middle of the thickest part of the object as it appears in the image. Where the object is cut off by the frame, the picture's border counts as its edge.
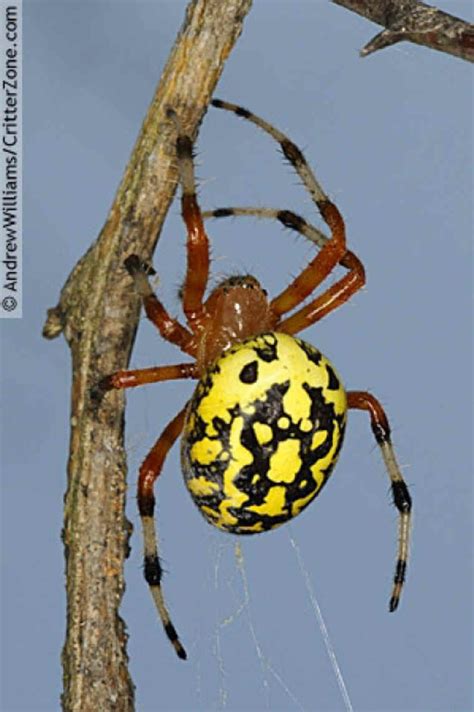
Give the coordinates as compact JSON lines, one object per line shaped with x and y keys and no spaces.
{"x":332,"y":298}
{"x":361,"y":400}
{"x":197,"y":272}
{"x":149,"y":472}
{"x":334,"y":249}
{"x":169,"y":328}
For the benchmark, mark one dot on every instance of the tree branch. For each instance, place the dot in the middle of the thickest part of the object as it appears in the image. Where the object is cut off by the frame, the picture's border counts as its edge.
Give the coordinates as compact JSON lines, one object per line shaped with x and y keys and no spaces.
{"x":417,"y":22}
{"x":98,"y":313}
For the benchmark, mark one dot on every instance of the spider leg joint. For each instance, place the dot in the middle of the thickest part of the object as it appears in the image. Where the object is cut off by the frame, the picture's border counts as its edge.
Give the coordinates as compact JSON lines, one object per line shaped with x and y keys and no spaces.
{"x":133,"y":264}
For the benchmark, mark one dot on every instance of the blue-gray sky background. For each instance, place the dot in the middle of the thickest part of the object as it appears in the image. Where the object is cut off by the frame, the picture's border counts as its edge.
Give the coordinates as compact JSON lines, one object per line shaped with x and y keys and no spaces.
{"x":390,"y":138}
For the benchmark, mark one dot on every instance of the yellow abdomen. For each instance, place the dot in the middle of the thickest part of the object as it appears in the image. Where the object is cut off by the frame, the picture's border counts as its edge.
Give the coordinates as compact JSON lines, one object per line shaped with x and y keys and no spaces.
{"x":262,"y":433}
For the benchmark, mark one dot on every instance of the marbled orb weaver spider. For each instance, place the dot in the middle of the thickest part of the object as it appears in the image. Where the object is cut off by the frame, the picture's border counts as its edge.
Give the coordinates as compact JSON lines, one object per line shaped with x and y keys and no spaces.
{"x":263,"y":429}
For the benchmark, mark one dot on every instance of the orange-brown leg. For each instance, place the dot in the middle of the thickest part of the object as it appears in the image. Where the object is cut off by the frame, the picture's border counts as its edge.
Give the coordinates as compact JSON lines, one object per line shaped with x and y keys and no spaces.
{"x":361,"y":400}
{"x":169,"y":328}
{"x":329,"y":300}
{"x":197,"y":271}
{"x":320,"y":266}
{"x":149,"y":472}
{"x":142,"y":376}
{"x":333,"y":251}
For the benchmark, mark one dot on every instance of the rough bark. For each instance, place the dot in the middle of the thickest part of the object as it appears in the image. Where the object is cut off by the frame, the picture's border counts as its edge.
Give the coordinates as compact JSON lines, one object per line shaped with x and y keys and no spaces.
{"x":414,"y":21}
{"x":98,"y":313}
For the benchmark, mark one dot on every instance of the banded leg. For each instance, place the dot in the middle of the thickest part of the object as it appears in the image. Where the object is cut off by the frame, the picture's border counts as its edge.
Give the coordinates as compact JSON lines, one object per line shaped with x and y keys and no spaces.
{"x":286,"y":217}
{"x":333,"y":297}
{"x":361,"y":400}
{"x":291,"y":152}
{"x":197,"y":271}
{"x":319,"y":267}
{"x":169,"y":328}
{"x":334,"y":249}
{"x":149,"y":472}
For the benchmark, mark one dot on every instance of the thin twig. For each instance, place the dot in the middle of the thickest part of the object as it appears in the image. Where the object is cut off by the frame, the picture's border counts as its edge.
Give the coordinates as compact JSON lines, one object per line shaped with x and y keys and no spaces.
{"x":98,"y":312}
{"x":414,"y":21}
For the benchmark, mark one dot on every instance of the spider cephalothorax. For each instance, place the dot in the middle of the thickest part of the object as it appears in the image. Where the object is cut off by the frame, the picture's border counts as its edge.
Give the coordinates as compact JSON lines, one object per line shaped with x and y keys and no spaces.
{"x":237,"y":308}
{"x":263,"y":430}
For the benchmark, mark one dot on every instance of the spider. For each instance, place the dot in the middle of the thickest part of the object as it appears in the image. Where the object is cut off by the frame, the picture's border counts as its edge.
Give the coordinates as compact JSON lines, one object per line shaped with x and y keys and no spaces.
{"x":264,"y":427}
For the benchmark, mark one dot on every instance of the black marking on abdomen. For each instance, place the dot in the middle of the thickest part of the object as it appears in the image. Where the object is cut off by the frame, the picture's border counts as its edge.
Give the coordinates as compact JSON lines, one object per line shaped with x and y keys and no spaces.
{"x":333,"y":382}
{"x":268,"y":352}
{"x":249,"y":373}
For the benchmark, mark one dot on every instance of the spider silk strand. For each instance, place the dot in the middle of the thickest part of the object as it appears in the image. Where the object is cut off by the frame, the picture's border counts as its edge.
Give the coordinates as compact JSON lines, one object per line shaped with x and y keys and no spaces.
{"x":322,"y":627}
